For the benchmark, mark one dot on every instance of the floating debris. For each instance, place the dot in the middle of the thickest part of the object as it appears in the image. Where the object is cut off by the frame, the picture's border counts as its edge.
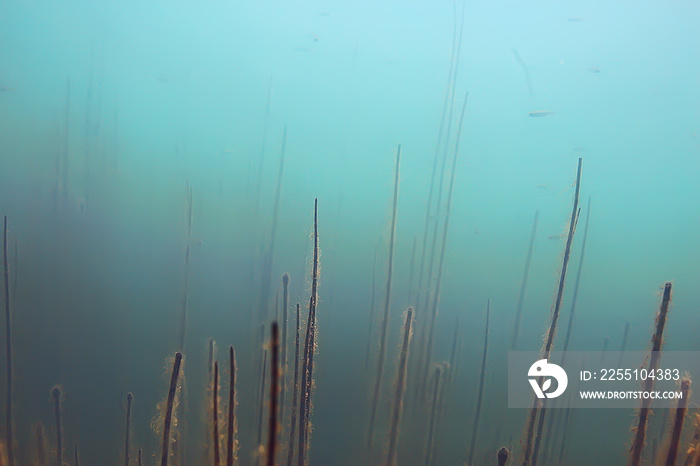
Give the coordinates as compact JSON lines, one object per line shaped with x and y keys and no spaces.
{"x":593,"y":69}
{"x":540,"y":113}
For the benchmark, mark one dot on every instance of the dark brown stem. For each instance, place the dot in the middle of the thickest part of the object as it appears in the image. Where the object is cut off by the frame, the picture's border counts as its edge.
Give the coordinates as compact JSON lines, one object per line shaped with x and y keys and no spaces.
{"x":502,"y":456}
{"x":169,"y":409}
{"x":127,"y":436}
{"x":215,"y":414}
{"x":8,"y":351}
{"x":656,"y":341}
{"x":678,"y":423}
{"x":274,"y":389}
{"x":59,"y":428}
{"x":231,"y":430}
{"x":295,"y":394}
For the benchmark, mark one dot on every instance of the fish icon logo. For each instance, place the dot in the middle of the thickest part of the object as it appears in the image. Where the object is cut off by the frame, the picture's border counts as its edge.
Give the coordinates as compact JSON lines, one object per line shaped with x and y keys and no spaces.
{"x":544,"y":371}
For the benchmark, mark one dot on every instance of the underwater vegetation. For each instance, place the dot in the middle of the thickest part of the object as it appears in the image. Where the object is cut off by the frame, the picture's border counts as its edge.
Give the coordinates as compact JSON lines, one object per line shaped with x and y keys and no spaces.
{"x":269,"y":239}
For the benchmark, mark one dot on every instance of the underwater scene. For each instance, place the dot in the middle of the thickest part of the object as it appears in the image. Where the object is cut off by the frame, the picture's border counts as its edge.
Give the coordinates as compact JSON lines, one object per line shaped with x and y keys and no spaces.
{"x":312,"y":233}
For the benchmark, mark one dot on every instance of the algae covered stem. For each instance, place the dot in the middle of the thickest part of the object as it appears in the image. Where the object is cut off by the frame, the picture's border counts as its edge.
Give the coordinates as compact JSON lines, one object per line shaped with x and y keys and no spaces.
{"x":169,"y":409}
{"x":577,"y":281}
{"x":387,"y":301}
{"x":656,"y":342}
{"x":530,"y":452}
{"x":309,"y":349}
{"x":215,"y":415}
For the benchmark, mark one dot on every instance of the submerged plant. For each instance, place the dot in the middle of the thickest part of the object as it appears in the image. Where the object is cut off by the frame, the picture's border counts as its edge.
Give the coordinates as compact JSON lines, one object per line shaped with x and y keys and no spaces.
{"x":400,"y":388}
{"x":231,"y":427}
{"x":645,"y":410}
{"x":387,"y":301}
{"x":307,"y":371}
{"x":169,"y":407}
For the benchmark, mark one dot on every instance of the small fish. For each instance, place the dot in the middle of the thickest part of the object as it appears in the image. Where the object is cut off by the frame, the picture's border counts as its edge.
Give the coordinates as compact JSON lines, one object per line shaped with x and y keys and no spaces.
{"x":574,"y":19}
{"x":543,"y":187}
{"x":593,"y":69}
{"x":4,"y":88}
{"x":540,"y":113}
{"x":580,"y":149}
{"x":555,"y":237}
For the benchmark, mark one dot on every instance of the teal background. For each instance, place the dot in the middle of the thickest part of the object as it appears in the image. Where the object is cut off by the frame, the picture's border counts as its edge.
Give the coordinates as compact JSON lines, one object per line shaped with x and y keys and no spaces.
{"x":169,"y":94}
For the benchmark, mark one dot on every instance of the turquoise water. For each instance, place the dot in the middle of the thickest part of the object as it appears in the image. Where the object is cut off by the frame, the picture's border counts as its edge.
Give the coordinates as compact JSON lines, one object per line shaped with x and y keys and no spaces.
{"x":110,"y":112}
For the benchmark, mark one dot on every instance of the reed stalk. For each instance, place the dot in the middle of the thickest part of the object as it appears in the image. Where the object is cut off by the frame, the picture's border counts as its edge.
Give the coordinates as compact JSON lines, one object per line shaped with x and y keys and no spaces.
{"x":479,"y":398}
{"x":59,"y":427}
{"x":274,"y":393}
{"x":429,"y":453}
{"x":8,"y":351}
{"x":502,"y":456}
{"x":41,"y":447}
{"x":295,"y":393}
{"x":165,"y":454}
{"x":400,"y":389}
{"x":309,"y":349}
{"x":261,"y":405}
{"x":678,"y":422}
{"x":127,"y":435}
{"x":530,"y":452}
{"x":443,"y":246}
{"x":645,"y":410}
{"x":231,"y":424}
{"x":387,"y":302}
{"x":215,"y":415}
{"x":371,"y":310}
{"x":283,"y":348}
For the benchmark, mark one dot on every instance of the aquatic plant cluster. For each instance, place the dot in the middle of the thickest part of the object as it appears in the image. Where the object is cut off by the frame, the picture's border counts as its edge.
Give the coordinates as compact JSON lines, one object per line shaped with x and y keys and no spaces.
{"x":350,"y":305}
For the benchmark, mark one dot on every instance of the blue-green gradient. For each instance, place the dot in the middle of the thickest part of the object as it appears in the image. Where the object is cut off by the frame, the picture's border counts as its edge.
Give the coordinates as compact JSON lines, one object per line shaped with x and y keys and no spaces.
{"x":169,"y":94}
